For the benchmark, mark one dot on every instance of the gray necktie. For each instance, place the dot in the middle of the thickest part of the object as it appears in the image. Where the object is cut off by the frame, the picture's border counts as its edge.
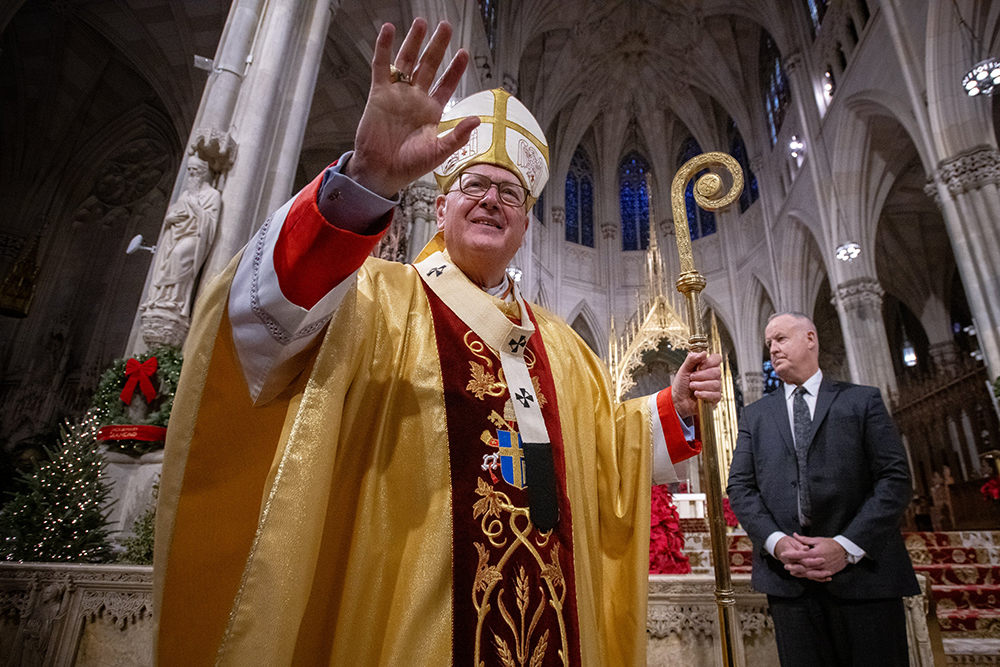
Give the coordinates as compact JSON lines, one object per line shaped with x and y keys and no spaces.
{"x":802,"y":423}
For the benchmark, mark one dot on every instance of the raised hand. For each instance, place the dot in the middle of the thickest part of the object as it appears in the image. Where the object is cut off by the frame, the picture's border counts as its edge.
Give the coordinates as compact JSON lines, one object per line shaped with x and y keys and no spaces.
{"x":397,"y":140}
{"x":699,"y":378}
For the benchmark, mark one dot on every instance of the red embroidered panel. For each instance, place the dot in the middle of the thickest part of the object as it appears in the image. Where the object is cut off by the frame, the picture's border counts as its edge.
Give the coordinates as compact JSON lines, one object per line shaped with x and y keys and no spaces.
{"x":514,"y":588}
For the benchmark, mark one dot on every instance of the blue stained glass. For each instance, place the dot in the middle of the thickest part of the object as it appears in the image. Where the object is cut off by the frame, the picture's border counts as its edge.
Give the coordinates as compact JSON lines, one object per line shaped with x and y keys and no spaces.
{"x":771,"y":379}
{"x":572,"y":208}
{"x":643,"y":215}
{"x":580,"y":200}
{"x":700,"y":222}
{"x":692,"y":210}
{"x":817,"y":9}
{"x":773,"y":84}
{"x":488,"y":9}
{"x":739,"y":151}
{"x":707,"y":223}
{"x":587,"y":213}
{"x":628,"y":217}
{"x":634,"y":202}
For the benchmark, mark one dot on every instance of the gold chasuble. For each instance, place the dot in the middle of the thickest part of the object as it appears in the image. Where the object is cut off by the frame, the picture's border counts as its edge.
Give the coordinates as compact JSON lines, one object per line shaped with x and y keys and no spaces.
{"x":375,"y":513}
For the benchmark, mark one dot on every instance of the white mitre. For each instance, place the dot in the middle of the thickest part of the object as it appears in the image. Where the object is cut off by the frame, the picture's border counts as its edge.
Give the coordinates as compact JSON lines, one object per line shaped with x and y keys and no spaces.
{"x":508,"y":136}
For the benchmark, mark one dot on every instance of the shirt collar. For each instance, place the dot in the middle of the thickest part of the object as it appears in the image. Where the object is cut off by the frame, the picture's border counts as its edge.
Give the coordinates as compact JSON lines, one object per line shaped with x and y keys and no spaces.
{"x":811,"y":385}
{"x":503,"y":290}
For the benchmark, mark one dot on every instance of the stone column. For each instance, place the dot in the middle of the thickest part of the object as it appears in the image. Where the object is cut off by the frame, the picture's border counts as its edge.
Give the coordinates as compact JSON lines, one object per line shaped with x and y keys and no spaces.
{"x":418,"y":207}
{"x":251,"y":120}
{"x":967,"y":189}
{"x":859,"y":304}
{"x":753,"y":386}
{"x":944,"y":355}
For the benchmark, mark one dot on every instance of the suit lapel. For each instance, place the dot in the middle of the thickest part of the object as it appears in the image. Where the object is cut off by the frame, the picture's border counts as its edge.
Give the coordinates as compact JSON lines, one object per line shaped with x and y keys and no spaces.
{"x":828,"y":390}
{"x":779,"y":412}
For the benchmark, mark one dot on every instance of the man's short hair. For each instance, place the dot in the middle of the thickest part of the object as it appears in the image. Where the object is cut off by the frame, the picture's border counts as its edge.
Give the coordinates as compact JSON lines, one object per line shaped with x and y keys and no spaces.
{"x":792,"y":313}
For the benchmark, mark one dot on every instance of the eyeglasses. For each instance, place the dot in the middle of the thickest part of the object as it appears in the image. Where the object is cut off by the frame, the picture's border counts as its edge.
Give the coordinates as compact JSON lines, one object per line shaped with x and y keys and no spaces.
{"x":476,"y":186}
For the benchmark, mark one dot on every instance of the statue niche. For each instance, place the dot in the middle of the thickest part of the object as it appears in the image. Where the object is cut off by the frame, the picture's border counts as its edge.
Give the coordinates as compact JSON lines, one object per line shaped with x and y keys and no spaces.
{"x":188,"y":232}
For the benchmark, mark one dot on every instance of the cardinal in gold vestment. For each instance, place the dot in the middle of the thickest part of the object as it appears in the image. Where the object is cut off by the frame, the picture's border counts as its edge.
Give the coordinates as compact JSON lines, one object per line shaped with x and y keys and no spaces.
{"x":348,"y":476}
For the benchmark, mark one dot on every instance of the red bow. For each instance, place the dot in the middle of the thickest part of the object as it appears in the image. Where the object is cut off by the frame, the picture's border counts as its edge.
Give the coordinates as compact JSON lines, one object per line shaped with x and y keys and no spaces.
{"x":139,"y":372}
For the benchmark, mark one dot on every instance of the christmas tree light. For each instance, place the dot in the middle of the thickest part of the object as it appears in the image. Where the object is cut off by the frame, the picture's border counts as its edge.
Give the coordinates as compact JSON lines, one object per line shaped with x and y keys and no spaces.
{"x":60,"y":512}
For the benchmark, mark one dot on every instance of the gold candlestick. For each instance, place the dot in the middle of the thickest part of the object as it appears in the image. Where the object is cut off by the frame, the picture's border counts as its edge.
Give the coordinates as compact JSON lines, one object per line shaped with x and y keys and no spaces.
{"x":690,"y":283}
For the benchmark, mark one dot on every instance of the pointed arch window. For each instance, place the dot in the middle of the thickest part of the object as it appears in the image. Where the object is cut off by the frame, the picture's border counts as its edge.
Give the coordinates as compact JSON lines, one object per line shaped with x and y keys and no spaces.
{"x":580,"y":200}
{"x":816,"y":10}
{"x":738,"y":150}
{"x":700,"y":222}
{"x":774,"y":85}
{"x":633,"y":195}
{"x":488,"y":9}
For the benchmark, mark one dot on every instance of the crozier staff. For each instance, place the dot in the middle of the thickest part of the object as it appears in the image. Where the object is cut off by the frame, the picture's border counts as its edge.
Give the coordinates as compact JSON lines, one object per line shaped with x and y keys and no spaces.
{"x":385,"y":464}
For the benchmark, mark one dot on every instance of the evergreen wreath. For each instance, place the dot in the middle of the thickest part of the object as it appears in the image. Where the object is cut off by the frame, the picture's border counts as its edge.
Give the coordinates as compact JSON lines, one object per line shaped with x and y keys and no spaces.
{"x":112,"y":410}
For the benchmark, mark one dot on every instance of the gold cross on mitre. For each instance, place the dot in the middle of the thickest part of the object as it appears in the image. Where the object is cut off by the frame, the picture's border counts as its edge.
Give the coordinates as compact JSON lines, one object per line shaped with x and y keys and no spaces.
{"x":508,"y":137}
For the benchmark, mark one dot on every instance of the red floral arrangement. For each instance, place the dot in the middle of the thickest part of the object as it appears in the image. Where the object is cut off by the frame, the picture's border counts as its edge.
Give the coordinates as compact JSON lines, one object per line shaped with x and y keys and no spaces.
{"x":666,"y":541}
{"x":728,"y":514}
{"x":991,"y":489}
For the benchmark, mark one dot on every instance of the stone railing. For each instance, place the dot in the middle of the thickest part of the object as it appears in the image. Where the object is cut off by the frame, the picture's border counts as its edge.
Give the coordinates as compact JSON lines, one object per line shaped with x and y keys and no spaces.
{"x":76,"y":615}
{"x":682,"y":623}
{"x":101,"y":615}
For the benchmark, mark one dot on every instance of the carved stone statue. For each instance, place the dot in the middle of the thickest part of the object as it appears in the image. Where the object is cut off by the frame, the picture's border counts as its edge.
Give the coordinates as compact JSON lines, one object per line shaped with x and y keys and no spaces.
{"x":188,"y":233}
{"x":45,"y":609}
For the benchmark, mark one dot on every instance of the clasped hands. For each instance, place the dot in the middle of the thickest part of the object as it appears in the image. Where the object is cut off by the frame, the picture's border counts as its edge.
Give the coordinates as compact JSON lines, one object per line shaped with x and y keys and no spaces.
{"x":815,"y":558}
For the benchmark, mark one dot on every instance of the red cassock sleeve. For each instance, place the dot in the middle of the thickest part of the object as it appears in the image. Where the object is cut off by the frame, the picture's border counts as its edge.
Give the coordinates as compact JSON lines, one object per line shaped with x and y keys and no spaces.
{"x":312,"y":256}
{"x":677,"y":445}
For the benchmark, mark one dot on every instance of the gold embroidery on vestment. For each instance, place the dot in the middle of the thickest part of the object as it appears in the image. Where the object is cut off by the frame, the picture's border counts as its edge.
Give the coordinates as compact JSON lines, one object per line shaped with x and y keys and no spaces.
{"x":490,"y":509}
{"x":484,"y":383}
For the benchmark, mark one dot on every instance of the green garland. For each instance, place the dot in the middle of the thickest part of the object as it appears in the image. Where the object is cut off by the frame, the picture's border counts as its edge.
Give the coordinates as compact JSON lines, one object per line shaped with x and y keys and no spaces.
{"x":111,"y":410}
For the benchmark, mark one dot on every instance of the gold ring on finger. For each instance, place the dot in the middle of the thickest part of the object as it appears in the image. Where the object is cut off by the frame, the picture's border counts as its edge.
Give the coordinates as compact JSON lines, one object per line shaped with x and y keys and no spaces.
{"x":397,"y":75}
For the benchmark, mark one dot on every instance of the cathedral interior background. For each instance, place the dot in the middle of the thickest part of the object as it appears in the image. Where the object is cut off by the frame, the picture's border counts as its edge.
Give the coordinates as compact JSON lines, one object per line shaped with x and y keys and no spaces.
{"x":847,"y":116}
{"x":871,"y":205}
{"x":871,"y":201}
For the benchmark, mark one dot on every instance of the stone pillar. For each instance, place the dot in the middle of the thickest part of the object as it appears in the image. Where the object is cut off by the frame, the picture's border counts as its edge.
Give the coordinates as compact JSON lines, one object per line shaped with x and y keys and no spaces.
{"x":944,"y":355}
{"x":753,"y":386}
{"x":418,"y":208}
{"x":967,"y":189}
{"x":859,"y":304}
{"x":252,"y":117}
{"x":286,"y":55}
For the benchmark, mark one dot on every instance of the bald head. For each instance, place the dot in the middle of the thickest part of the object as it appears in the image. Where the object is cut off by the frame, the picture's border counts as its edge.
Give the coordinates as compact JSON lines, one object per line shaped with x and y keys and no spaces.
{"x":794,"y":346}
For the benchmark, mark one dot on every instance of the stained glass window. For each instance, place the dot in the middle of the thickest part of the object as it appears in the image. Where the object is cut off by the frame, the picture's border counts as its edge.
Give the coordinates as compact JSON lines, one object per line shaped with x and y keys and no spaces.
{"x":771,"y":379}
{"x":738,"y":150}
{"x":700,"y":222}
{"x":816,"y":10}
{"x":774,"y":85}
{"x":488,"y":8}
{"x":580,"y":200}
{"x":634,"y":198}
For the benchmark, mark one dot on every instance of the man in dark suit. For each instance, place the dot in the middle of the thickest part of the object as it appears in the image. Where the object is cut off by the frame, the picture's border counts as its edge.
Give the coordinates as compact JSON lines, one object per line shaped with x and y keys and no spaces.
{"x":820,"y":479}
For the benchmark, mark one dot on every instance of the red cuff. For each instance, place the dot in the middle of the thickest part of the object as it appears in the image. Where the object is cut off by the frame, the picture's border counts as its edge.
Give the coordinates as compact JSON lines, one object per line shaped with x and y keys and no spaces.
{"x":677,"y":446}
{"x":312,"y":256}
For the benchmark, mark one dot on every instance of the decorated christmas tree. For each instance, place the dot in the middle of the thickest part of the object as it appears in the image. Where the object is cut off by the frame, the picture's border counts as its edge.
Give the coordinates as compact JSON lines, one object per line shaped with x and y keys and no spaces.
{"x":59,"y":510}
